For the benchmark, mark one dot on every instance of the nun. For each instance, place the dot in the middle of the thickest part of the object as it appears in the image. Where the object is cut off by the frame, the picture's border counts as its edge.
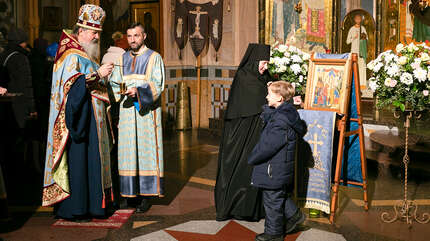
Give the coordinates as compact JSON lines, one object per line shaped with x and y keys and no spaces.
{"x":235,"y":198}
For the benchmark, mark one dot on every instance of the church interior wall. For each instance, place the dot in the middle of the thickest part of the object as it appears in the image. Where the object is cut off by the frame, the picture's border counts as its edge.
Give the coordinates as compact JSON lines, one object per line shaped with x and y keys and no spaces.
{"x":240,"y":27}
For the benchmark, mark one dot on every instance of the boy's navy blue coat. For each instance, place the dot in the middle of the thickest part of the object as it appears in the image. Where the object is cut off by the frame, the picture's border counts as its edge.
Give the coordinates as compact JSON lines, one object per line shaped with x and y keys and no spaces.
{"x":273,"y":156}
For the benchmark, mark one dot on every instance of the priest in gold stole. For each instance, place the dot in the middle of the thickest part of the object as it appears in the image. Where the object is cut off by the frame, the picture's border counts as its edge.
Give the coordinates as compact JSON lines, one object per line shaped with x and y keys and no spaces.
{"x":140,"y":143}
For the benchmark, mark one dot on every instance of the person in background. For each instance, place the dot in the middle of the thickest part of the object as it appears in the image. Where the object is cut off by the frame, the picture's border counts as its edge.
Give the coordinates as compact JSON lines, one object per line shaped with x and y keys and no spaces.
{"x":16,"y":78}
{"x":113,"y":54}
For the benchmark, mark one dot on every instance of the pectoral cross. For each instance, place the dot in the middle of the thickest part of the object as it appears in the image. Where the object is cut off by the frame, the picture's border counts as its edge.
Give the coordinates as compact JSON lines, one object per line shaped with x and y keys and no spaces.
{"x":197,"y":12}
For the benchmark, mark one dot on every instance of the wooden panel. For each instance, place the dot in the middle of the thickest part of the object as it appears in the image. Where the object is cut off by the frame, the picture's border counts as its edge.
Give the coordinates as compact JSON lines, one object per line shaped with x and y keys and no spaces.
{"x":151,"y":22}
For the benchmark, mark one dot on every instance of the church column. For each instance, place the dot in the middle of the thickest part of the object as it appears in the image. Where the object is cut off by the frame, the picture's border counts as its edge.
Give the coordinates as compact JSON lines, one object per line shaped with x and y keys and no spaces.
{"x":33,"y":20}
{"x":74,"y":6}
{"x":95,"y":2}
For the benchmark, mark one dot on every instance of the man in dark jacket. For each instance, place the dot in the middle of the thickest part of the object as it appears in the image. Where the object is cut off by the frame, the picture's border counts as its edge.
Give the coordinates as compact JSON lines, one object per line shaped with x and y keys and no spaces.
{"x":16,"y":76}
{"x":273,"y":160}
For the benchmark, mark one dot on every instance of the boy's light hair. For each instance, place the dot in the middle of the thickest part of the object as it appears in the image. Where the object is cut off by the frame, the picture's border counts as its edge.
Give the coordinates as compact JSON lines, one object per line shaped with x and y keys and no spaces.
{"x":283,"y":88}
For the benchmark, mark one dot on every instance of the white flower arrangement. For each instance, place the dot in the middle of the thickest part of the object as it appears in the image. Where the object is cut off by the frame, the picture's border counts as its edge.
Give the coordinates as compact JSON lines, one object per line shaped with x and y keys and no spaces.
{"x":290,"y":64}
{"x":402,"y":78}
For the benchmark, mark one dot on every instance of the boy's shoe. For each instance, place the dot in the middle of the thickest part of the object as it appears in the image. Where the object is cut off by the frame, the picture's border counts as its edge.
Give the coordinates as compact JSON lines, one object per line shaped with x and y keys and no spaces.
{"x":268,"y":237}
{"x":296,"y":219}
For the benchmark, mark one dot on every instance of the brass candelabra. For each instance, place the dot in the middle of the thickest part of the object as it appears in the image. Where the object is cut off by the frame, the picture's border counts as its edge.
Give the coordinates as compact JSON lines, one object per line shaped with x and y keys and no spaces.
{"x":406,"y":210}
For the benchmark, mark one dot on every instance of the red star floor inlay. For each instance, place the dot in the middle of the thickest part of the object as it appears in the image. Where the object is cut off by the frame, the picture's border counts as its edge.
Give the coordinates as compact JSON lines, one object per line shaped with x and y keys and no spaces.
{"x":231,"y":231}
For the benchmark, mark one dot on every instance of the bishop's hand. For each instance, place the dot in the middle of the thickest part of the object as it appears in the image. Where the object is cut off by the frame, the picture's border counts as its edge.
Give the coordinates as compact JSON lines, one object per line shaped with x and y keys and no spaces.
{"x":105,"y":70}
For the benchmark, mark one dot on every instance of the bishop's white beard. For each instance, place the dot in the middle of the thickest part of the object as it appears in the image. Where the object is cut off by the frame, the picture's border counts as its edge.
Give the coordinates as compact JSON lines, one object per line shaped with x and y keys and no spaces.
{"x":92,"y":49}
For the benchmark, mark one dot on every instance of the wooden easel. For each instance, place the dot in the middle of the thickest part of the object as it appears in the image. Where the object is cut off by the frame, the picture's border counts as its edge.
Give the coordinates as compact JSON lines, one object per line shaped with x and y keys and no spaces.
{"x":341,"y":125}
{"x":342,"y":121}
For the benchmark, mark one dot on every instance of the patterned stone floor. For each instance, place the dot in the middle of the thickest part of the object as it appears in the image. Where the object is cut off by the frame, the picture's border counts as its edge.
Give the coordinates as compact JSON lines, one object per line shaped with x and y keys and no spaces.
{"x":187,"y":212}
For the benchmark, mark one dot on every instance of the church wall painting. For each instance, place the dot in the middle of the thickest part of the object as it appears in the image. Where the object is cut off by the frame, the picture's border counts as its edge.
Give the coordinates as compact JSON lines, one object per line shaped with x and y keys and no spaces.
{"x":349,"y":5}
{"x":306,"y":24}
{"x":327,"y":85}
{"x":8,"y":15}
{"x":391,"y":24}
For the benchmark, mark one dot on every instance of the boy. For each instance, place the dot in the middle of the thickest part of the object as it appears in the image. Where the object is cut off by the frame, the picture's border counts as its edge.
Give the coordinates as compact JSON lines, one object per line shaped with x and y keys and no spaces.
{"x":273,"y":160}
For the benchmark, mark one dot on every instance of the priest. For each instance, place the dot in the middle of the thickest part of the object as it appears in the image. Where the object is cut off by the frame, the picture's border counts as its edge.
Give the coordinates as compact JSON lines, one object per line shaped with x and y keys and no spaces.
{"x":140,"y":72}
{"x":234,"y":195}
{"x":77,"y":169}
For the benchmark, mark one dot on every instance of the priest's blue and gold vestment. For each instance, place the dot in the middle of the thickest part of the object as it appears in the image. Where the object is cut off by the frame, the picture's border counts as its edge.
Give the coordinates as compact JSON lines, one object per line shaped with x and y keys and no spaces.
{"x":140,"y":142}
{"x":77,"y":168}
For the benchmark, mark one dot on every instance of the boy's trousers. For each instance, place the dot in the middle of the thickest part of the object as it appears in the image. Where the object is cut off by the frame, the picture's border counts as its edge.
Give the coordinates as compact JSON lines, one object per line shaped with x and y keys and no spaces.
{"x":279,"y":207}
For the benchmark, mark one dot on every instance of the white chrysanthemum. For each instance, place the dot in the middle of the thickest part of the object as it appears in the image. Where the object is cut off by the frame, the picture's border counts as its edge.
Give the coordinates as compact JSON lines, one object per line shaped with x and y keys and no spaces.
{"x":412,"y":47}
{"x":277,"y":61}
{"x":389,"y":57}
{"x":301,"y":78}
{"x":306,"y":56}
{"x":296,"y":68}
{"x":296,"y":59}
{"x":286,"y":60}
{"x":272,"y":61}
{"x":424,"y":57}
{"x":402,"y":60}
{"x":416,"y":64}
{"x":420,"y":74}
{"x":406,"y":78}
{"x":371,"y":65}
{"x":373,"y":85}
{"x":283,"y":68}
{"x":387,"y":82}
{"x":425,"y":92}
{"x":292,"y":49}
{"x":282,"y":48}
{"x":393,"y":70}
{"x":377,"y":67}
{"x":399,"y":48}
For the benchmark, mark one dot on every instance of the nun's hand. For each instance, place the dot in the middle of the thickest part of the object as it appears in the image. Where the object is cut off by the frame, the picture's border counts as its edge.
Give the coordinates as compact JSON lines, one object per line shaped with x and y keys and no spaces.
{"x":3,"y":91}
{"x":262,"y":66}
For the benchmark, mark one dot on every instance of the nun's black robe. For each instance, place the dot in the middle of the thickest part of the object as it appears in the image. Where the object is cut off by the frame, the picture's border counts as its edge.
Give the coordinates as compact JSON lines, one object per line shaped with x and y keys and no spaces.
{"x":234,"y":196}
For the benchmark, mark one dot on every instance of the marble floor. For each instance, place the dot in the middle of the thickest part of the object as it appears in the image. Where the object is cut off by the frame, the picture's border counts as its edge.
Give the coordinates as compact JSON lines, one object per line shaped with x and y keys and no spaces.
{"x":187,"y":211}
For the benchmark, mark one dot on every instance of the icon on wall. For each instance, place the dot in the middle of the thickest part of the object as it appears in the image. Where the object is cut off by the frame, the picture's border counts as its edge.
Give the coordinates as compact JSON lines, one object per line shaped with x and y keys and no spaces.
{"x":52,"y":18}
